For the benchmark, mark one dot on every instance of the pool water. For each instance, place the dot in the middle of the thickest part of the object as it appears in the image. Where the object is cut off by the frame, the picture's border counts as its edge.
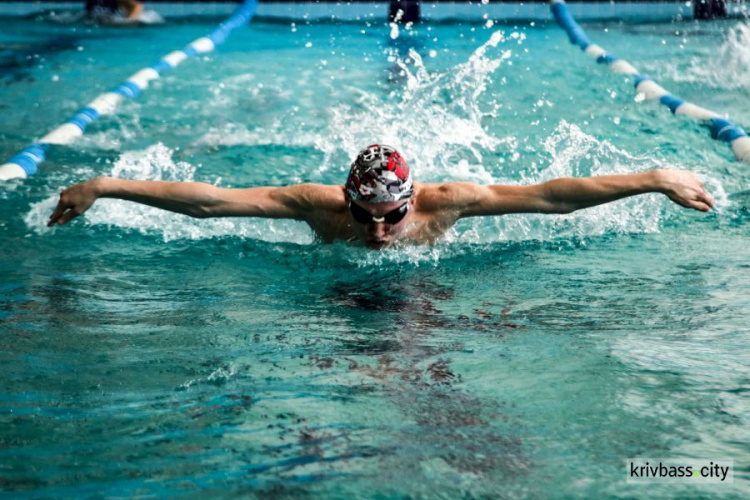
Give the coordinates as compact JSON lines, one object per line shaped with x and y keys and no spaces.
{"x":145,"y":353}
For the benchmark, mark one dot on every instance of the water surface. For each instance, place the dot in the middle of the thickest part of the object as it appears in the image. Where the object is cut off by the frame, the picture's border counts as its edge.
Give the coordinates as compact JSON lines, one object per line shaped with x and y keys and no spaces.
{"x":145,"y":353}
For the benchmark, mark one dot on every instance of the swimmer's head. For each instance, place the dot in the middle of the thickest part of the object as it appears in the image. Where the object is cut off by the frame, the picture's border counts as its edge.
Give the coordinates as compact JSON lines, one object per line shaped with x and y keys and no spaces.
{"x":379,"y":175}
{"x":379,"y":190}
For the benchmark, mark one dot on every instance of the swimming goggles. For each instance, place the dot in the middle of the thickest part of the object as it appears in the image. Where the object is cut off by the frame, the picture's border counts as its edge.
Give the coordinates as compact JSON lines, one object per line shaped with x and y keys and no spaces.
{"x":364,"y":217}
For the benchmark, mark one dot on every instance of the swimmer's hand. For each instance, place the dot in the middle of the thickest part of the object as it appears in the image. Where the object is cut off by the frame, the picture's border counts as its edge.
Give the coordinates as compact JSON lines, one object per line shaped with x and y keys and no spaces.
{"x":74,"y":201}
{"x":685,"y":189}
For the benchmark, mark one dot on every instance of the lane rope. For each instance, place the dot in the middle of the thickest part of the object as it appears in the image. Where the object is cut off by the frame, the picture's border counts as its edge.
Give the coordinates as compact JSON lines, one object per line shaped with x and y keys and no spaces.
{"x":26,"y":161}
{"x":721,"y":128}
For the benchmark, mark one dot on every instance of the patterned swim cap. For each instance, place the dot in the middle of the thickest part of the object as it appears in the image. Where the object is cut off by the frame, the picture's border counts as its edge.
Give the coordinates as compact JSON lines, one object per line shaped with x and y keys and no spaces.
{"x":379,"y":175}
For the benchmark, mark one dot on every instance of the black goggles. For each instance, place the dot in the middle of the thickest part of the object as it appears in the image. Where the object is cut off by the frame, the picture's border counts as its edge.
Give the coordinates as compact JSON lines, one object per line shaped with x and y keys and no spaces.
{"x":364,"y":217}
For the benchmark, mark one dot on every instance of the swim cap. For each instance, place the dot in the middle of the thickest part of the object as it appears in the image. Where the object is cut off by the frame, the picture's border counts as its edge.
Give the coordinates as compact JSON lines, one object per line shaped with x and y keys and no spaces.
{"x":379,"y":175}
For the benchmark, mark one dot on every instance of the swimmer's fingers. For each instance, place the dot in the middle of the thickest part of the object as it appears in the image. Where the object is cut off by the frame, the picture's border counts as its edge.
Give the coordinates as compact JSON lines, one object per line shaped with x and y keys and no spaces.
{"x":699,"y":205}
{"x":706,"y":198}
{"x":62,"y":218}
{"x":59,"y":211}
{"x":67,"y":216}
{"x":702,"y":200}
{"x":686,"y":189}
{"x":73,"y":202}
{"x":694,"y":202}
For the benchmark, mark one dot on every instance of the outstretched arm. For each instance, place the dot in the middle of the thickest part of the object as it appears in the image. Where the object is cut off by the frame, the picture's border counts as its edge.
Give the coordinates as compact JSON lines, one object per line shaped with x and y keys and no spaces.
{"x":567,"y":195}
{"x":196,"y":199}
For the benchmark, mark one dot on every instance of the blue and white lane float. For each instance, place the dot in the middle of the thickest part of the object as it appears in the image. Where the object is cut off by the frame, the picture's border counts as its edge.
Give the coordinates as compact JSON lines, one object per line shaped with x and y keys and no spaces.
{"x":25,"y":163}
{"x":721,"y":128}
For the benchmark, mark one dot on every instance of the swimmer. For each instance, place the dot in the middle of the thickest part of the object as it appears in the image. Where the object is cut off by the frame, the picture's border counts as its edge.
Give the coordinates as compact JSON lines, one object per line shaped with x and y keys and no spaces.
{"x":105,"y":9}
{"x":380,"y":204}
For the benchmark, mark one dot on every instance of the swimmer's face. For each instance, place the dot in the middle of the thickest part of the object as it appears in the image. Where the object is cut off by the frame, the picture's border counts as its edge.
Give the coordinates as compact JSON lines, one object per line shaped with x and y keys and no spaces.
{"x":379,"y":235}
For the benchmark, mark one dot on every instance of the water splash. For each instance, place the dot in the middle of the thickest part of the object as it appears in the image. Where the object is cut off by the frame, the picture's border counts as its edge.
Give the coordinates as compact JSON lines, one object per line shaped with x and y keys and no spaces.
{"x":727,"y":68}
{"x":436,"y":117}
{"x":409,"y":255}
{"x":219,"y":376}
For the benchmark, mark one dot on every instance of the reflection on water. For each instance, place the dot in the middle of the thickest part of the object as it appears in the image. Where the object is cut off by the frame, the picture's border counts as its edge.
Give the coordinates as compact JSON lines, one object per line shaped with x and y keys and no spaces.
{"x":453,"y":427}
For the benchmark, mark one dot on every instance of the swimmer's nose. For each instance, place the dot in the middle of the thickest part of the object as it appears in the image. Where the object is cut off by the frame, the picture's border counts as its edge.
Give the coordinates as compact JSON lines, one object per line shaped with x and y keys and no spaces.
{"x":377,"y":229}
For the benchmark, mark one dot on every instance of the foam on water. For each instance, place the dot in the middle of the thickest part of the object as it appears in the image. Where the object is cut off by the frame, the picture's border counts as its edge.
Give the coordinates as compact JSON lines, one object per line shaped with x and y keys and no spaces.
{"x":413,"y":255}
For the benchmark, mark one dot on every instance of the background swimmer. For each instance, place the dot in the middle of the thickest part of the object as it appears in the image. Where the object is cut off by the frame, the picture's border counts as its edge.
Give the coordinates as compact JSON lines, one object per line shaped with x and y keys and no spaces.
{"x":120,"y":12}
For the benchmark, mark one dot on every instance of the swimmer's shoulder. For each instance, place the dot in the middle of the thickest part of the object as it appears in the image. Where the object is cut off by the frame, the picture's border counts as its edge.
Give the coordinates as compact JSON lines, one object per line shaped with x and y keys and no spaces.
{"x":445,"y":195}
{"x":321,"y":197}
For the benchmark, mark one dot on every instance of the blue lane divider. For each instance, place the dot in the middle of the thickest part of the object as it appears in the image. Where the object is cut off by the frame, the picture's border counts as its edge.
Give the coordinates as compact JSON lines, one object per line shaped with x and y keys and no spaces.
{"x":26,"y":161}
{"x":721,"y":128}
{"x":563,"y":17}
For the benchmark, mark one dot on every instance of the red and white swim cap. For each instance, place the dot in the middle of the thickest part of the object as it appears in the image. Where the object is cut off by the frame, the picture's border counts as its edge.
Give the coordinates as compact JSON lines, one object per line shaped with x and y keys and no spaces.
{"x":379,"y":175}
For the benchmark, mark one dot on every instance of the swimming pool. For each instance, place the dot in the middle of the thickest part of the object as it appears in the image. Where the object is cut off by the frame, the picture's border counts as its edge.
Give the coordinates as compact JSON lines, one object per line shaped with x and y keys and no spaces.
{"x":145,"y":353}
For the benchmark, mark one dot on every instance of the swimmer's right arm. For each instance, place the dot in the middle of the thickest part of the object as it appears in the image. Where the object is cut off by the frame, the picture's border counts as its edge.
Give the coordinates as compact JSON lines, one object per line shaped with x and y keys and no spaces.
{"x":196,"y":199}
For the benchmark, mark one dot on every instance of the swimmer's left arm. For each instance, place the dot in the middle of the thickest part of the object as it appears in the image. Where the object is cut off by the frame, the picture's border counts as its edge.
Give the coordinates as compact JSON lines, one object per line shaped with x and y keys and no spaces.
{"x":567,"y":195}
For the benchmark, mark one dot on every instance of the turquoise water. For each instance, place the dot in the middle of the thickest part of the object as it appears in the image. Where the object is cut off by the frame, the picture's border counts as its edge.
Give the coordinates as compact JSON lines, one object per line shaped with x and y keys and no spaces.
{"x":145,"y":353}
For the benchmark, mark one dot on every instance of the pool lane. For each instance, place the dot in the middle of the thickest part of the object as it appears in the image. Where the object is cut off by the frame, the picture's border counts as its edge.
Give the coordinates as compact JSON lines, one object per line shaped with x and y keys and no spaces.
{"x":26,"y":161}
{"x":721,"y":129}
